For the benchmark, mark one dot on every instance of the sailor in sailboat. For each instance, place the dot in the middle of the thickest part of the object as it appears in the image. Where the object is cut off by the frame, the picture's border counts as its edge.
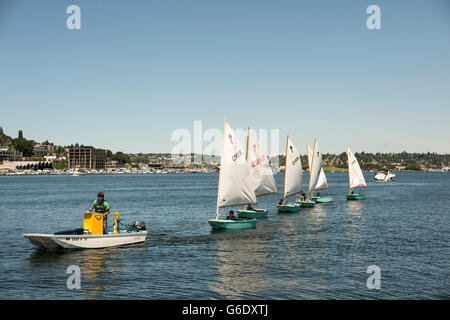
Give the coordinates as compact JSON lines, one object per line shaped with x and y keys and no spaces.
{"x":355,"y":177}
{"x":293,"y":174}
{"x":262,"y":175}
{"x":236,"y":184}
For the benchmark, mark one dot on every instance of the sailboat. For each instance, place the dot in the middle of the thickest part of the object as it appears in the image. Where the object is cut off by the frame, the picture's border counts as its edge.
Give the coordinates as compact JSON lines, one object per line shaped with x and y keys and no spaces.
{"x":292,"y":178}
{"x":318,"y":180}
{"x":236,"y":184}
{"x":355,"y":177}
{"x":261,"y":173}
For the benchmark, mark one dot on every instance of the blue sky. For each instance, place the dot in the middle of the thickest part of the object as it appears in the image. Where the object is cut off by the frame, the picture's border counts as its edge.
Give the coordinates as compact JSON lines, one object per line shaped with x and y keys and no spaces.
{"x":138,"y":70}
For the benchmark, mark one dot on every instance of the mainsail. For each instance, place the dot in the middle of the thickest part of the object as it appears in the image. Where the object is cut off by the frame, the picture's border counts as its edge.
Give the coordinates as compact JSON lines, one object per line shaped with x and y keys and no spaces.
{"x":356,"y":177}
{"x":236,"y":186}
{"x":259,"y":166}
{"x":321,"y":183}
{"x":292,"y":171}
{"x":315,"y":166}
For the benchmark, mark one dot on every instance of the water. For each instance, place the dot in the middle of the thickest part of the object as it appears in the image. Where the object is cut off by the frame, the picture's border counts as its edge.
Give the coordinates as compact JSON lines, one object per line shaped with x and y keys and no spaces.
{"x":320,"y":253}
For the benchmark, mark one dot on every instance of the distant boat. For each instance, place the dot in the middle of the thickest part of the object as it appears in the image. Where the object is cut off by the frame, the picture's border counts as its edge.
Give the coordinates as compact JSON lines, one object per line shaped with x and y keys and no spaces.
{"x":384,"y":175}
{"x":355,"y":177}
{"x":236,"y":184}
{"x":293,"y":174}
{"x":261,"y":172}
{"x":318,"y":180}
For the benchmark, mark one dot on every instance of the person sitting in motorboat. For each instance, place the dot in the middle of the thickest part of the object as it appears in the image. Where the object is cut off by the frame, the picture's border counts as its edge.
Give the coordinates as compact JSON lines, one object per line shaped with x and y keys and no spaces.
{"x":101,"y":206}
{"x":250,"y":208}
{"x":231,"y":216}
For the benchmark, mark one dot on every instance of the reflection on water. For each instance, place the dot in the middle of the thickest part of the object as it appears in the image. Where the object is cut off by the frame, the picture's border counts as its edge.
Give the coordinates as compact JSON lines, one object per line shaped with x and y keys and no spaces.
{"x":354,"y":208}
{"x":241,"y":267}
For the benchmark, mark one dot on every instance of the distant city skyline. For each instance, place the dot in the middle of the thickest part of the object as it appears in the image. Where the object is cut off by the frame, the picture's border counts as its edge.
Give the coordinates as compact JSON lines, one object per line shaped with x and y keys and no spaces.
{"x":135,"y":73}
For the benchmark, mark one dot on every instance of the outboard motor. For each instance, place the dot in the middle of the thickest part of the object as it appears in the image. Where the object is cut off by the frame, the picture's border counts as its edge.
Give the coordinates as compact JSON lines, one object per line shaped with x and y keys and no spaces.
{"x":139,"y":226}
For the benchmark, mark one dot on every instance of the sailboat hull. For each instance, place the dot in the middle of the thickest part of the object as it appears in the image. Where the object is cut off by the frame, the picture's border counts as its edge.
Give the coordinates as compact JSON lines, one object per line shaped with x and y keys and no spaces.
{"x":356,"y":196}
{"x":250,"y":214}
{"x":232,"y":224}
{"x":306,"y":203}
{"x":322,"y":199}
{"x":288,"y":208}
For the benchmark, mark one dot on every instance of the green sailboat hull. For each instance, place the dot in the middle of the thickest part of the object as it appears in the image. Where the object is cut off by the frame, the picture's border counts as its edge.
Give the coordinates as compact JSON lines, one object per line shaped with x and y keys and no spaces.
{"x":232,"y":224}
{"x":355,"y":196}
{"x":322,"y":199}
{"x":306,"y":203}
{"x":250,"y":214}
{"x":291,"y":207}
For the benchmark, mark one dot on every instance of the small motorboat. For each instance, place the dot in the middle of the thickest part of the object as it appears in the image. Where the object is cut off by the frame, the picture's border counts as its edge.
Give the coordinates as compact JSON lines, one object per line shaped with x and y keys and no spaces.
{"x":91,"y":235}
{"x":384,"y":176}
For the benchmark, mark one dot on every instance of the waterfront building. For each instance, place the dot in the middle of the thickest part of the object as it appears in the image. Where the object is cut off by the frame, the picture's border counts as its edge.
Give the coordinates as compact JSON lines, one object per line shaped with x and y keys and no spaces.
{"x":6,"y":154}
{"x":87,"y":158}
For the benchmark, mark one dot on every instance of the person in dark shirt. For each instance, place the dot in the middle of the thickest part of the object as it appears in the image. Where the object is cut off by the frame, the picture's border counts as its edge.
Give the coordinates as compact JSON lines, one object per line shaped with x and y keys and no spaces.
{"x":250,"y":208}
{"x":231,"y":216}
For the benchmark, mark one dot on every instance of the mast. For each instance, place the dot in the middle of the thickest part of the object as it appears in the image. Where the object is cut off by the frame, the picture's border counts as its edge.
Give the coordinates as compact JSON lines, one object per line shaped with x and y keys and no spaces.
{"x":246,"y":153}
{"x":311,"y":166}
{"x":285,"y":167}
{"x":348,"y":162}
{"x":221,"y":171}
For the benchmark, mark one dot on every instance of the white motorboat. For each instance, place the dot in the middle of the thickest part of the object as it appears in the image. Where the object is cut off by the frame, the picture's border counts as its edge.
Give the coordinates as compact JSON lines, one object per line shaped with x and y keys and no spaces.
{"x":384,"y":176}
{"x":91,"y":235}
{"x":83,"y":241}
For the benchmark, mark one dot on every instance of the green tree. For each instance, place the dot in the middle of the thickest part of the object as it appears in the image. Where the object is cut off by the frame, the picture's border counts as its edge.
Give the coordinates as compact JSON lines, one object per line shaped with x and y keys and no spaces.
{"x":121,"y":157}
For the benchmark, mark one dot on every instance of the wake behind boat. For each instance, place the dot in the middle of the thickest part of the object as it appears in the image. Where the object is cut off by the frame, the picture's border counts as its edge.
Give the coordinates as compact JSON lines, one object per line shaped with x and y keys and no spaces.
{"x":91,"y":235}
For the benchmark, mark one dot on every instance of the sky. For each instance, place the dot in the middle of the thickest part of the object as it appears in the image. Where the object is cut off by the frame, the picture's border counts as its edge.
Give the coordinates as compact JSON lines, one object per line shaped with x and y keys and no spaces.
{"x":137,"y":71}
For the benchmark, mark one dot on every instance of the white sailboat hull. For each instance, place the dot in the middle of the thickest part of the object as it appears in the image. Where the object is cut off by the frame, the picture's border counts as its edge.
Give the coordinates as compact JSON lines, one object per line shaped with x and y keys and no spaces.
{"x":51,"y":241}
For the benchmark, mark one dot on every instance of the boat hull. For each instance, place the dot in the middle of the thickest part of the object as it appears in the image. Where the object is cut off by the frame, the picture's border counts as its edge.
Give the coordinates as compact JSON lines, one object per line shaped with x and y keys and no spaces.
{"x":322,"y":199}
{"x":250,"y":214}
{"x":288,"y":208}
{"x":306,"y":203}
{"x":355,"y":196}
{"x":51,"y":241}
{"x":232,"y":224}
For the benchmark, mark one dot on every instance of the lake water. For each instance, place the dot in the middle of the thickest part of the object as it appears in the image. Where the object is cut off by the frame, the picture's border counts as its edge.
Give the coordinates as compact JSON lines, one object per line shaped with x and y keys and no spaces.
{"x":402,"y":227}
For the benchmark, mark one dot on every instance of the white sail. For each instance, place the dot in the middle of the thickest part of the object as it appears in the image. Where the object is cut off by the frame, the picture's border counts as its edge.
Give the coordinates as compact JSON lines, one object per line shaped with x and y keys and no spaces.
{"x":356,"y":177}
{"x":292,"y":171}
{"x":322,"y":183}
{"x":259,"y":166}
{"x":315,"y":166}
{"x":236,"y":186}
